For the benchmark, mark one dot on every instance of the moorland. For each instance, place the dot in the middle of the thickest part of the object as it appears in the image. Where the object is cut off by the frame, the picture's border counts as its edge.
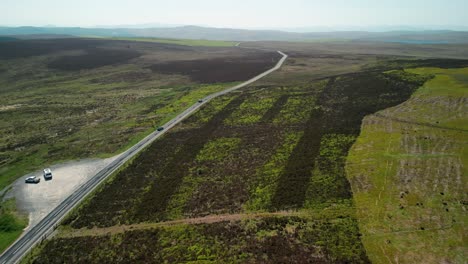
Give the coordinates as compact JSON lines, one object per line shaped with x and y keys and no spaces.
{"x":339,"y":157}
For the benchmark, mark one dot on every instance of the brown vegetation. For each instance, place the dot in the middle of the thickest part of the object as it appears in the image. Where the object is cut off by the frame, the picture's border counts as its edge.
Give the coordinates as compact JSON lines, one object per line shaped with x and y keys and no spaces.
{"x":221,"y":69}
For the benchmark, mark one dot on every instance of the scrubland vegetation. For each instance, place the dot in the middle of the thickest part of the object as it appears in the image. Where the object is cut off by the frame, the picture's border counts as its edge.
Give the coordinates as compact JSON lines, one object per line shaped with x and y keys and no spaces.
{"x":336,"y":158}
{"x":66,"y":99}
{"x":242,"y":154}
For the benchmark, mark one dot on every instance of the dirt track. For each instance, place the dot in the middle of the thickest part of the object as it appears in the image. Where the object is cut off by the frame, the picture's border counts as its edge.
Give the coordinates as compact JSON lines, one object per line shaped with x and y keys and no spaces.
{"x":190,"y":221}
{"x":417,"y":123}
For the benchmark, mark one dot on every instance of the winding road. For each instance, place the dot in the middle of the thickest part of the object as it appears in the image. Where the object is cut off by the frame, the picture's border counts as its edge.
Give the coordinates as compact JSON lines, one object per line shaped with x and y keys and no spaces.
{"x":47,"y":225}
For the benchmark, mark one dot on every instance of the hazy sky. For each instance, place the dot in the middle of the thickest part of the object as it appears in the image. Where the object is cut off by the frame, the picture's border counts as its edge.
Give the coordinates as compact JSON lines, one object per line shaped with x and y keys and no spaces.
{"x":235,"y":13}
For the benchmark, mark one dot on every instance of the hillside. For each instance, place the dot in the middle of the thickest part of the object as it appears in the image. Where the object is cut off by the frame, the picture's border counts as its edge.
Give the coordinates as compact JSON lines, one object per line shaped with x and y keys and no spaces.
{"x":230,"y":34}
{"x":408,"y":173}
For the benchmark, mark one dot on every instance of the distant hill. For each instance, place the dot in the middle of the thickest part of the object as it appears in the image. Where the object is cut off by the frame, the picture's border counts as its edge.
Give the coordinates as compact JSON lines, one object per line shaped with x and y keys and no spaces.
{"x":196,"y":32}
{"x":38,"y":36}
{"x":3,"y":38}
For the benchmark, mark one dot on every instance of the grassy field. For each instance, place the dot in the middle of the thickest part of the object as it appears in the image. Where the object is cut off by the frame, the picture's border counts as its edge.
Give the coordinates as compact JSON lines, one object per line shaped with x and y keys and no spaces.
{"x":408,"y":174}
{"x":11,"y":222}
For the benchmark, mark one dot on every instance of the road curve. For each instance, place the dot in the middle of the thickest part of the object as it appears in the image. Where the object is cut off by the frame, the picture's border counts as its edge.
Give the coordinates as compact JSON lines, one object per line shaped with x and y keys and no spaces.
{"x":47,"y":225}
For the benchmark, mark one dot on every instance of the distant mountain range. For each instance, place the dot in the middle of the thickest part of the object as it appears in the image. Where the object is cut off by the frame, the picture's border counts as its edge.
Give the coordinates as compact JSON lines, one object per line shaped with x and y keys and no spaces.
{"x":229,"y":34}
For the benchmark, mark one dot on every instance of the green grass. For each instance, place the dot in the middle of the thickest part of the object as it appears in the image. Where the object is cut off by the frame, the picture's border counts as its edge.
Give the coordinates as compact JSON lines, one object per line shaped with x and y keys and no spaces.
{"x":186,"y":42}
{"x":187,"y":97}
{"x":11,"y":223}
{"x":218,"y":149}
{"x":296,"y":110}
{"x":328,"y":173}
{"x":440,"y":98}
{"x":215,"y":105}
{"x":408,"y":179}
{"x":251,"y":111}
{"x":447,"y":82}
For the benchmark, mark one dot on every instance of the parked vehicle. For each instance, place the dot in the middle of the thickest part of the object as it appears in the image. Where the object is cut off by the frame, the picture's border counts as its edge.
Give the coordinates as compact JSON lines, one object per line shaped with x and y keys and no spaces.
{"x":47,"y":174}
{"x":160,"y":128}
{"x":33,"y":179}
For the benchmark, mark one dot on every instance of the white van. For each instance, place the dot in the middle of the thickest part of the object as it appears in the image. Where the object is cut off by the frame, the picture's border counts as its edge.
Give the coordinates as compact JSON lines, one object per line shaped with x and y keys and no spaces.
{"x":47,"y":174}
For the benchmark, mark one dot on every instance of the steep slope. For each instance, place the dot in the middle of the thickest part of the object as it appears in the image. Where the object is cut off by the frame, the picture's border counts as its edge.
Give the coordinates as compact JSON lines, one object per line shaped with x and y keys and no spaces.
{"x":408,"y":171}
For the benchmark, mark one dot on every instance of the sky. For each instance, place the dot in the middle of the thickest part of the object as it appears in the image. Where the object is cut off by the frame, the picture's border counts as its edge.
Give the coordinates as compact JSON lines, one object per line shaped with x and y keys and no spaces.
{"x":271,"y":14}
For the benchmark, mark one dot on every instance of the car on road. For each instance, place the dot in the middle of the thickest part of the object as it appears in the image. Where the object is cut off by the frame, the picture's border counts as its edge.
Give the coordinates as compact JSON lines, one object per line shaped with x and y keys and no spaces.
{"x":160,"y":128}
{"x":47,"y":174}
{"x":200,"y":100}
{"x":32,"y":179}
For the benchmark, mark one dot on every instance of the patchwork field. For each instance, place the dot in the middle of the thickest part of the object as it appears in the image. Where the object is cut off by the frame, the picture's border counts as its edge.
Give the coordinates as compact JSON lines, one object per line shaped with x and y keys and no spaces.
{"x":408,"y":173}
{"x":265,"y":165}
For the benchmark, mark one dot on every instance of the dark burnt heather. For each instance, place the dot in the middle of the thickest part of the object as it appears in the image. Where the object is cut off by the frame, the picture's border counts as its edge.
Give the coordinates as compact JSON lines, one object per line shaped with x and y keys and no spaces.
{"x":98,"y":53}
{"x":293,"y":183}
{"x":29,"y":48}
{"x":343,"y":104}
{"x":400,"y":64}
{"x":127,"y":198}
{"x":112,"y":204}
{"x":37,"y":47}
{"x":153,"y":204}
{"x":94,"y":58}
{"x":224,"y":187}
{"x":220,"y":69}
{"x":275,"y":109}
{"x":142,"y":191}
{"x":354,"y":96}
{"x":439,"y":63}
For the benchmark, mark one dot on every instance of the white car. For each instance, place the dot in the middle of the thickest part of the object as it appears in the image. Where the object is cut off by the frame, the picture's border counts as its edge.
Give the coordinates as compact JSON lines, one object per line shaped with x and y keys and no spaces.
{"x":32,"y":179}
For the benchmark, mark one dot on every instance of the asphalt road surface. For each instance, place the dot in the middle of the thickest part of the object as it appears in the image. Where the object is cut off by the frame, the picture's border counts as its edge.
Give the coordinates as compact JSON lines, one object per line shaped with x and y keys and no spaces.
{"x":47,"y":225}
